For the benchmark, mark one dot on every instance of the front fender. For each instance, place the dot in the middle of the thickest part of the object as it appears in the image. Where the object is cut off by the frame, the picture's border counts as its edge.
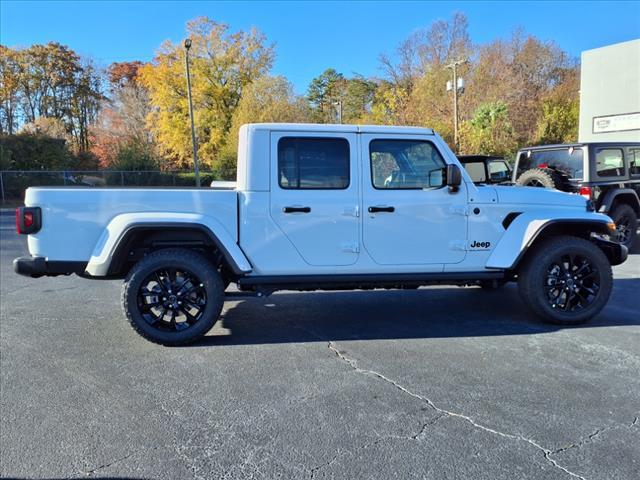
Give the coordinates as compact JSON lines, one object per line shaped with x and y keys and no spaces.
{"x":108,"y":242}
{"x":527,"y":226}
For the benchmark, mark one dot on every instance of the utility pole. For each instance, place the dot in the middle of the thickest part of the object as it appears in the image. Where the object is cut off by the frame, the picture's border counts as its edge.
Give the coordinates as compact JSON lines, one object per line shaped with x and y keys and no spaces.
{"x":458,"y":86}
{"x":187,"y":46}
{"x":339,"y":105}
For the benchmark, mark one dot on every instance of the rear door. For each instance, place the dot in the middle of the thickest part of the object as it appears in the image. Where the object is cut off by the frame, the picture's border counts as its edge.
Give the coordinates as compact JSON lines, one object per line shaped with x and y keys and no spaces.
{"x":314,"y":194}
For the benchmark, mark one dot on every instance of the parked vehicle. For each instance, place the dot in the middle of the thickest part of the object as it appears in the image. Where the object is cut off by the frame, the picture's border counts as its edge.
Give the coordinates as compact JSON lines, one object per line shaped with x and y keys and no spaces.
{"x":486,"y":168}
{"x":322,"y":207}
{"x":606,"y":173}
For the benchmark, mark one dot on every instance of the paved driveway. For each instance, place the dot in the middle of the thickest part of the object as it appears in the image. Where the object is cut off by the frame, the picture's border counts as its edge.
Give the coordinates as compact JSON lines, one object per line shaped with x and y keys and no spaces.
{"x":436,"y":383}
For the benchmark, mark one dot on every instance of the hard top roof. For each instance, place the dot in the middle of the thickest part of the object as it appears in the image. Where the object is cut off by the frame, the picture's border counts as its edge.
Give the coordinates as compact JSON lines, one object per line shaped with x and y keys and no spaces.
{"x":327,"y":127}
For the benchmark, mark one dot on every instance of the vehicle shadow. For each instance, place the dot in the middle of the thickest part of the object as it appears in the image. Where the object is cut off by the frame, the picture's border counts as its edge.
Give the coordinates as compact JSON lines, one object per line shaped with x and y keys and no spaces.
{"x":399,"y":314}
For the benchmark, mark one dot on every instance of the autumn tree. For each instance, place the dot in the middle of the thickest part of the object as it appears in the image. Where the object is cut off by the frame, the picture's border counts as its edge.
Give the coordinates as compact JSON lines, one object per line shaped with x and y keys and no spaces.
{"x":121,"y":125}
{"x":268,"y":99}
{"x":325,"y":94}
{"x":9,"y":90}
{"x":415,"y":76}
{"x":223,"y":64}
{"x":558,"y":121}
{"x":489,"y":131}
{"x":49,"y":81}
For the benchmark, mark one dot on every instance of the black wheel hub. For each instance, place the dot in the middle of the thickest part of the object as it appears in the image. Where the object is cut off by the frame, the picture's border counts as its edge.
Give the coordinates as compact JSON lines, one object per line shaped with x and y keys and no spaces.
{"x":171,"y":299}
{"x":572,"y":283}
{"x":624,"y":229}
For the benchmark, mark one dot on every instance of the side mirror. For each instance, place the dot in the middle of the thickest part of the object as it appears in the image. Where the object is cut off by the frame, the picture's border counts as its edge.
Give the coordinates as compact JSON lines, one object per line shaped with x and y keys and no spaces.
{"x":454,"y":177}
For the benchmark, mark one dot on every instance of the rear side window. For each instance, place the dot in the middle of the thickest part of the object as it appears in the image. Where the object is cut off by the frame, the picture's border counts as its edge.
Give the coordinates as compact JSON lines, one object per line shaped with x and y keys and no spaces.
{"x":499,"y":171}
{"x":565,"y":160}
{"x":313,"y":163}
{"x":476,"y":171}
{"x":609,"y":162}
{"x":634,"y":161}
{"x":405,"y":164}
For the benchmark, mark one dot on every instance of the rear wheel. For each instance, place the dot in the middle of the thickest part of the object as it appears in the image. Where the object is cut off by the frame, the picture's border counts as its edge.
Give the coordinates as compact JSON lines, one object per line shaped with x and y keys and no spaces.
{"x":566,"y":280}
{"x":173,"y":296}
{"x":626,"y":222}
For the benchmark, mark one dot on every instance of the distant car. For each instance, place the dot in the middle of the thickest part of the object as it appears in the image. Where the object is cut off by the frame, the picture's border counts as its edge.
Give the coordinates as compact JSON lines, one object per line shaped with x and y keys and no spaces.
{"x":606,"y":173}
{"x":486,"y":168}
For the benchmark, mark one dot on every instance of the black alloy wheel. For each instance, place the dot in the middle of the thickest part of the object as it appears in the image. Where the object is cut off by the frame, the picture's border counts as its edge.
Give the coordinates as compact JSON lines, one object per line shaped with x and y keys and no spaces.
{"x":173,"y":296}
{"x":572,"y":283}
{"x":171,"y":299}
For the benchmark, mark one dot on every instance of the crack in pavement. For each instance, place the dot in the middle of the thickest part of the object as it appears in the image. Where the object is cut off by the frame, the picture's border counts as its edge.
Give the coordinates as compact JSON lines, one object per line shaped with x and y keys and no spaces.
{"x":90,"y":472}
{"x":594,"y":435}
{"x":380,"y":439}
{"x":354,"y":365}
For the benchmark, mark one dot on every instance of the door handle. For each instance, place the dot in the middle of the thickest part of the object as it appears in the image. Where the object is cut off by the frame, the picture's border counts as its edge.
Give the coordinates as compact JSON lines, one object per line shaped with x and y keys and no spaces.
{"x":381,"y":209}
{"x":296,"y":209}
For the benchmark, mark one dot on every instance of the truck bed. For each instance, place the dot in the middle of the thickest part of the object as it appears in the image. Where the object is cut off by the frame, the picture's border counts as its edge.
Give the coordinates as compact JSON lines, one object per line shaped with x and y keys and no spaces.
{"x":74,"y":219}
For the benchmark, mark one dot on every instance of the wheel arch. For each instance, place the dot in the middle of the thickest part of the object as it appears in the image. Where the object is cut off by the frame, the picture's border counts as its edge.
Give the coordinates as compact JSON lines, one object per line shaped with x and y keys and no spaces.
{"x":123,"y":243}
{"x":626,"y":196}
{"x":524,"y":233}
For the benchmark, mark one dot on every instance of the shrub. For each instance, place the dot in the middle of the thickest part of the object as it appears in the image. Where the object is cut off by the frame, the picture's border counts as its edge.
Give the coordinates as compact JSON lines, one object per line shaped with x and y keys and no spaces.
{"x":26,"y":151}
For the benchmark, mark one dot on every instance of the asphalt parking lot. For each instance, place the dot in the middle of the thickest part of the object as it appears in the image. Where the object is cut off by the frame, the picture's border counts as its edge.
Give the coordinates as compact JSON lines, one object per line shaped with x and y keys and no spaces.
{"x":442,"y":383}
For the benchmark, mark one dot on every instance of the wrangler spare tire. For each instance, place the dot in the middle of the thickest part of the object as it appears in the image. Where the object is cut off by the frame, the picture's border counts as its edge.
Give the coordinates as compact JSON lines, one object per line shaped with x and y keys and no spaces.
{"x":540,"y":177}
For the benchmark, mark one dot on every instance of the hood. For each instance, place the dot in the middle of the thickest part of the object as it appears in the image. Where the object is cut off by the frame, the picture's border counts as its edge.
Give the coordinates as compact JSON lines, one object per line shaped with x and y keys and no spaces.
{"x":538,"y":196}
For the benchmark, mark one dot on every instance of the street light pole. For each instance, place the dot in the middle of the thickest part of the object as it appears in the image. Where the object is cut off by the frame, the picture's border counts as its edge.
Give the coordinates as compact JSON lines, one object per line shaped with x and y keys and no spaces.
{"x":187,"y":46}
{"x":454,"y":66}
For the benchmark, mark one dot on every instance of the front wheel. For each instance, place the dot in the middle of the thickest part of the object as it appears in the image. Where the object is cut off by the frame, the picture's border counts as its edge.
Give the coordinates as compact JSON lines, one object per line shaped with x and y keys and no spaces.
{"x":566,"y":280}
{"x":626,"y":222}
{"x":173,"y":296}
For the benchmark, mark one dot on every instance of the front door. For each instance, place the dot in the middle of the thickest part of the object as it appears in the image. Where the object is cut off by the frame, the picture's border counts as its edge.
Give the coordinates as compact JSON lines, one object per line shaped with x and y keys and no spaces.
{"x":314,"y":194}
{"x":409,"y":215}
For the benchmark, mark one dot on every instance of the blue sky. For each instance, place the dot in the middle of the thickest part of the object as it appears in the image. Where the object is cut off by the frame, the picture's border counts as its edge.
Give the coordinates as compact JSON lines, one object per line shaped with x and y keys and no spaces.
{"x":309,"y":36}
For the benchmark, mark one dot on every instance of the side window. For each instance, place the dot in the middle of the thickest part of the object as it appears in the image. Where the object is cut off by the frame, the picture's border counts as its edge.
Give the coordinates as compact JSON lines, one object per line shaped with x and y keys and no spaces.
{"x":405,"y":164}
{"x":609,"y":162}
{"x":476,"y":171}
{"x":313,"y":163}
{"x":499,"y":171}
{"x":634,"y":161}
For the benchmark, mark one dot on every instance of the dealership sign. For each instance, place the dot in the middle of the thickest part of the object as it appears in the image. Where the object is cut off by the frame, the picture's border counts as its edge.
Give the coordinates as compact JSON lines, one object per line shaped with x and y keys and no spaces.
{"x":616,"y":123}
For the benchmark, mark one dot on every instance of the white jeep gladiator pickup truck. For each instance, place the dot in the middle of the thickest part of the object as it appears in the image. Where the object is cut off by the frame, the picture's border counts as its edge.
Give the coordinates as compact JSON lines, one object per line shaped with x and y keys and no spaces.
{"x":322,"y":207}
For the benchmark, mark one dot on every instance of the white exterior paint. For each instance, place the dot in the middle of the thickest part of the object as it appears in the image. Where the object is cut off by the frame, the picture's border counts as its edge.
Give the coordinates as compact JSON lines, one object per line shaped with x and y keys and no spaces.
{"x":610,"y":93}
{"x":432,"y":230}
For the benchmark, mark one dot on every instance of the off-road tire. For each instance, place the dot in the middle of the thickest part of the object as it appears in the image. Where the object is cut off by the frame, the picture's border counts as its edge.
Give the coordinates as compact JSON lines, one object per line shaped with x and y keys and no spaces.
{"x":533,"y":278}
{"x":181,"y":259}
{"x":539,"y":177}
{"x":626,"y":221}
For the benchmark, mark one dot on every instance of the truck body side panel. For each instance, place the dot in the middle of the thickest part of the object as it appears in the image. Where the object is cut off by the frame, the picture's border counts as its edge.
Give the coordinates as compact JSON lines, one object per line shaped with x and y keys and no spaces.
{"x":74,"y":220}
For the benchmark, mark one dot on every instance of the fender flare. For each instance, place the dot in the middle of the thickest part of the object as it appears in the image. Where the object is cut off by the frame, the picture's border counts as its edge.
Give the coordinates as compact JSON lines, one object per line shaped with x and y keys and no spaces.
{"x":611,"y":195}
{"x":123,"y":225}
{"x":527,"y":227}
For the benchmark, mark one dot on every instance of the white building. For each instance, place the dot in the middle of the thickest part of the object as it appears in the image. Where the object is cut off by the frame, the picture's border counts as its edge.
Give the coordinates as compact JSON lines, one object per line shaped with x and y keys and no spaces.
{"x":610,"y":93}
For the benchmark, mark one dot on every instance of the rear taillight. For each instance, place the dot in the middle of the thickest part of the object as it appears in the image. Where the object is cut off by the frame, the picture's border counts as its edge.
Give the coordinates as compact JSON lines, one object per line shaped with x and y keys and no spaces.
{"x":28,"y":220}
{"x":585,"y":192}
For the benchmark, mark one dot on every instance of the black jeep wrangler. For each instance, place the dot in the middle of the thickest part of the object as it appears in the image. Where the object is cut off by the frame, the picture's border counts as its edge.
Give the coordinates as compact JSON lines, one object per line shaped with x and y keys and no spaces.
{"x":606,"y":173}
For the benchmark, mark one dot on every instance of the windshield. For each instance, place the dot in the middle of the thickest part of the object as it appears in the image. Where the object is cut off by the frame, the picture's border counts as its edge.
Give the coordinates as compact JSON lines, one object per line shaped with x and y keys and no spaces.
{"x":566,"y":160}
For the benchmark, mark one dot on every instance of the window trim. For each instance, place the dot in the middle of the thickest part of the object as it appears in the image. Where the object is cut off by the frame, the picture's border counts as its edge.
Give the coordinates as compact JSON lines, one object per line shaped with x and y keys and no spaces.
{"x":635,"y":157}
{"x":421,"y":140}
{"x":298,"y":138}
{"x":624,"y":167}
